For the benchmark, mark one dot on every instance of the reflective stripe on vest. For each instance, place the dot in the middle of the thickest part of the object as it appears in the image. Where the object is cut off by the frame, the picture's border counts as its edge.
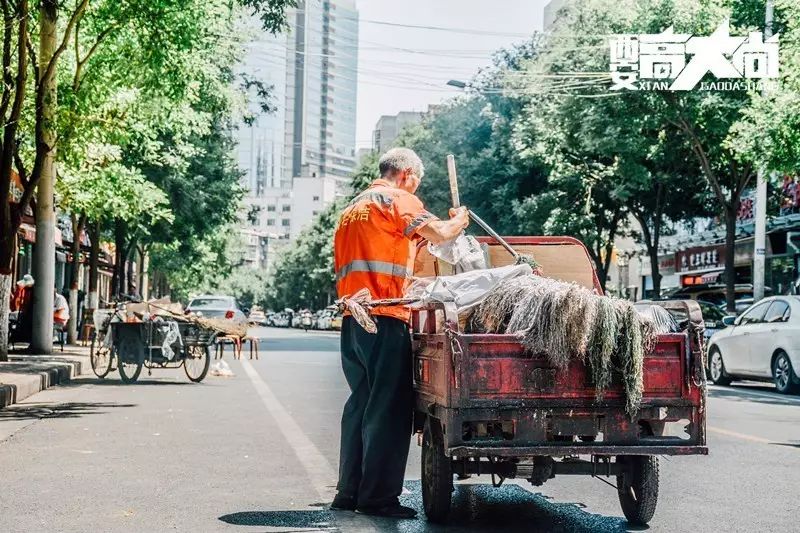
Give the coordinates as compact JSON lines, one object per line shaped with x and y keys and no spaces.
{"x":423,"y":217}
{"x":376,"y":267}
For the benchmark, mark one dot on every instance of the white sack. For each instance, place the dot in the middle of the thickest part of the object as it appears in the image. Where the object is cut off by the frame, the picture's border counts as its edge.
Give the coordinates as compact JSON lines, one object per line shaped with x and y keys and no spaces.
{"x":467,"y":289}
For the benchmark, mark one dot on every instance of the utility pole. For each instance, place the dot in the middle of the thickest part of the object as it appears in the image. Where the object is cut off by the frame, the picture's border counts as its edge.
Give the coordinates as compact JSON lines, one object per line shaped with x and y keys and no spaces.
{"x":760,"y":244}
{"x":44,"y":257}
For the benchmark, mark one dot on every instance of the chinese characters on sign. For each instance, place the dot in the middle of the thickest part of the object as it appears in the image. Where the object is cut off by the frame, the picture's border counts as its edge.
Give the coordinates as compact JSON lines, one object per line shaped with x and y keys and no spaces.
{"x":699,"y":259}
{"x":677,"y":62}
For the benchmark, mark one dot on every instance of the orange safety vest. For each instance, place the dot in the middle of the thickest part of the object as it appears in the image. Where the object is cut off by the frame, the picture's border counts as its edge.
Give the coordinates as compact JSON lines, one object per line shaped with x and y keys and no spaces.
{"x":374,"y":245}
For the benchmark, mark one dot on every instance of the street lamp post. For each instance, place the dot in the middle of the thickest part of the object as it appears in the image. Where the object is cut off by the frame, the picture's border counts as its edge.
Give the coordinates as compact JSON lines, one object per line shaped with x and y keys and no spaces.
{"x":759,"y":251}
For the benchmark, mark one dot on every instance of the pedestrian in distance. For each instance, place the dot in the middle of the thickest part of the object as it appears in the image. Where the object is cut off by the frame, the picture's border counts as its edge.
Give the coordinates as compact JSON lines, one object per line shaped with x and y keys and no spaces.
{"x":374,"y":248}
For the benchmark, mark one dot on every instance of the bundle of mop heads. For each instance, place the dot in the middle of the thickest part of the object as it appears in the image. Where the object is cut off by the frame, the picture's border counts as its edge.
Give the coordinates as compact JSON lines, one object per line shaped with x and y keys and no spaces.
{"x":562,"y":322}
{"x":565,"y":321}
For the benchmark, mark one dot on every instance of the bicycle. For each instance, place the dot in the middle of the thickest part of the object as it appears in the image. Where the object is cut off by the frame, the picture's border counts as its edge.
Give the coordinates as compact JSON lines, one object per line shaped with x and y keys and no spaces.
{"x":101,"y":351}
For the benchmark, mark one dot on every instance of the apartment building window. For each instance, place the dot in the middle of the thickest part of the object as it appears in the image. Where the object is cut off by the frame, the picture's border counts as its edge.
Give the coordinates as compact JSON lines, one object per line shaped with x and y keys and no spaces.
{"x":270,"y":222}
{"x":285,"y":222}
{"x":316,"y":198}
{"x":287,"y":208}
{"x":271,"y":208}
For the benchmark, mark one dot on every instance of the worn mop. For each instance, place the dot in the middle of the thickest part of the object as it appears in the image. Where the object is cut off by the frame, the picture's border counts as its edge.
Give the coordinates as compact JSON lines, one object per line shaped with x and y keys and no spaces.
{"x":565,"y":321}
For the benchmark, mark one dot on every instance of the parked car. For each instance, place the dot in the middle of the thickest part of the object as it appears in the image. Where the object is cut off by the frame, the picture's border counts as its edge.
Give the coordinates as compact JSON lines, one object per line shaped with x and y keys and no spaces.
{"x":216,"y":306}
{"x":324,"y":318}
{"x":306,"y":320}
{"x":280,"y":320}
{"x":763,"y":343}
{"x":336,"y":321}
{"x":713,"y":292}
{"x":712,"y":316}
{"x":257,"y":318}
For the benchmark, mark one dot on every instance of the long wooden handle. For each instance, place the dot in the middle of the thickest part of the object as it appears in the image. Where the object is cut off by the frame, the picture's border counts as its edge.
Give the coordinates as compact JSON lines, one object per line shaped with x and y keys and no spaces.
{"x":451,"y":173}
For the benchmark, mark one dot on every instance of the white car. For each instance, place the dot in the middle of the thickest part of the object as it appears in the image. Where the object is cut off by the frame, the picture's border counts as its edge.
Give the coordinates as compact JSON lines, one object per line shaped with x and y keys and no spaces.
{"x":763,"y":343}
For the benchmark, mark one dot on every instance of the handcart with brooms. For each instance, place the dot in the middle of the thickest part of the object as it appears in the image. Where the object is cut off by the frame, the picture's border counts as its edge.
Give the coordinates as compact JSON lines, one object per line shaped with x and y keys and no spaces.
{"x":153,"y":335}
{"x":524,"y":369}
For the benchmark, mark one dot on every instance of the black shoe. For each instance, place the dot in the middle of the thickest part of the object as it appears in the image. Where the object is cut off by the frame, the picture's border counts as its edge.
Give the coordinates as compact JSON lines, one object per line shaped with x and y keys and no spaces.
{"x":389,"y":511}
{"x":343,"y":503}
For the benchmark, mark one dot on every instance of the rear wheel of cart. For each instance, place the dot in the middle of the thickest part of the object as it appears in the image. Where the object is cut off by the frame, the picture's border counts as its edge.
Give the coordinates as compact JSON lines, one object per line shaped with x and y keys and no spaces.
{"x":196,"y":362}
{"x":100,"y":357}
{"x":637,"y":487}
{"x":437,"y":473}
{"x":129,"y":360}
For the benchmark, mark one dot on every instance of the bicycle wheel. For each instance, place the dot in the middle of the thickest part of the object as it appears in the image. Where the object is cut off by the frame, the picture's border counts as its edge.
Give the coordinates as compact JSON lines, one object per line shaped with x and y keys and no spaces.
{"x":129,"y":360}
{"x":100,"y":357}
{"x":196,"y":362}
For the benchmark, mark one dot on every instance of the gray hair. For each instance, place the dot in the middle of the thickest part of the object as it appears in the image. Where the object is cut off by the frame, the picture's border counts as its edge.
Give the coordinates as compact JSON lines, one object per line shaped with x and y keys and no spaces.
{"x":398,"y":160}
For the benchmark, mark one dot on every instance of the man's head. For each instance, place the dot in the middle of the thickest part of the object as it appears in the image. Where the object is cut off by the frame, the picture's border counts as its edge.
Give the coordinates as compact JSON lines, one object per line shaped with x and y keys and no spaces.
{"x":403,"y":168}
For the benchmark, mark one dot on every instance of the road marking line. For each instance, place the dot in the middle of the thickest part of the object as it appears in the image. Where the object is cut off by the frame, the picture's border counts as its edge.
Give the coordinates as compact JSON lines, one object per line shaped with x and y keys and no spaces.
{"x":776,"y":396}
{"x":742,"y":436}
{"x":317,"y":467}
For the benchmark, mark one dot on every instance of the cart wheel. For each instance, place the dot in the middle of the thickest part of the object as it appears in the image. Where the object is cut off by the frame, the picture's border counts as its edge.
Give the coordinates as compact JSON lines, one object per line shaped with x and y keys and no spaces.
{"x":437,"y":473}
{"x":638,"y":488}
{"x":128,"y":371}
{"x":196,"y":362}
{"x":100,"y":357}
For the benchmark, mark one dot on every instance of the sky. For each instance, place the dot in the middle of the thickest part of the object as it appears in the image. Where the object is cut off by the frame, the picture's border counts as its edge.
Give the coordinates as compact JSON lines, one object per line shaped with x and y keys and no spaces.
{"x":406,"y":69}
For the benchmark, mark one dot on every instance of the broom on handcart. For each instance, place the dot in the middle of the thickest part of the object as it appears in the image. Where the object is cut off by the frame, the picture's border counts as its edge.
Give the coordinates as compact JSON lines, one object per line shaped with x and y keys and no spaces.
{"x":558,"y":320}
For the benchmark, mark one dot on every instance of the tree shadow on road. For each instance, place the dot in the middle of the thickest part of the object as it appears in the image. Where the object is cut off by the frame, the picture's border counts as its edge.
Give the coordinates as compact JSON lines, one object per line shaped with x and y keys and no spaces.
{"x":60,"y":410}
{"x":481,"y":508}
{"x":115,"y":381}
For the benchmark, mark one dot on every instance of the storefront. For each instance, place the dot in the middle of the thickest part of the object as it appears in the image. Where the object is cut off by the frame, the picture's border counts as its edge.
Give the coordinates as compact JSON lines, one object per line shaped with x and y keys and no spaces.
{"x":704,"y":265}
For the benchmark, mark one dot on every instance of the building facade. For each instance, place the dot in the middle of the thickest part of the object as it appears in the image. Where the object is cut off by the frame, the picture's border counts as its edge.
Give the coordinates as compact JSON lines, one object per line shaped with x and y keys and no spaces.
{"x":389,"y":127}
{"x":310,"y":132}
{"x":321,"y":89}
{"x":551,"y":12}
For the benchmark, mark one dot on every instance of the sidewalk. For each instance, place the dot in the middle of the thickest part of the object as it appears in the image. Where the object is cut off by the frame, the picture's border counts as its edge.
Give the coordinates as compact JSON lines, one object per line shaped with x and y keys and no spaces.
{"x":24,"y":375}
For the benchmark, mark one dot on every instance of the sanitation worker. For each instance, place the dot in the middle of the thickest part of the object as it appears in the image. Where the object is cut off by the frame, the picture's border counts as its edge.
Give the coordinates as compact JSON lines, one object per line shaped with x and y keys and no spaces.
{"x":374,"y":247}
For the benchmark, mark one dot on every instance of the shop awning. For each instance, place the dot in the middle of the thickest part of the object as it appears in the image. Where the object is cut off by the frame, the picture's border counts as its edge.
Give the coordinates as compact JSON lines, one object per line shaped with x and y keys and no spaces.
{"x":28,"y":233}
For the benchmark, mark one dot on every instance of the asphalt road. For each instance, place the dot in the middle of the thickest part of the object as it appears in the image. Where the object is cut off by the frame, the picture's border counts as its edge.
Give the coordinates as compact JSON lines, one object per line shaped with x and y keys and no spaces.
{"x":258,"y":452}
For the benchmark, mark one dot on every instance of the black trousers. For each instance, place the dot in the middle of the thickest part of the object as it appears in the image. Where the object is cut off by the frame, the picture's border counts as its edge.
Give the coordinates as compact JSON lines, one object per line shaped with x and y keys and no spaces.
{"x":377,"y":418}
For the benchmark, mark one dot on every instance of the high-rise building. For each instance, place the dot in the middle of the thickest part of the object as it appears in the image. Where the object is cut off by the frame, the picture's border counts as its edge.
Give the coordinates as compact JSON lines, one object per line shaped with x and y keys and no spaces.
{"x":551,"y":12}
{"x":312,"y":71}
{"x":260,"y":136}
{"x":321,"y":87}
{"x":389,"y":127}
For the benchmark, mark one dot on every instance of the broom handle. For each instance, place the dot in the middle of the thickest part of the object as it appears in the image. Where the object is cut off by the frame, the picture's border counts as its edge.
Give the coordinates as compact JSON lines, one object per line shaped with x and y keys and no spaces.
{"x":451,"y":173}
{"x":492,"y":233}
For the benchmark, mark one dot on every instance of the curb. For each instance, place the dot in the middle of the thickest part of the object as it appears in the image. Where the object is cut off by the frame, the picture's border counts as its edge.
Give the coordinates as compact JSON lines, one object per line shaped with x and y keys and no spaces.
{"x":24,"y":376}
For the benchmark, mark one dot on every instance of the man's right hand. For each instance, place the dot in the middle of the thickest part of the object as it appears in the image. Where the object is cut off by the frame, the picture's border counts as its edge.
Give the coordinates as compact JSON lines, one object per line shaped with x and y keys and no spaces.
{"x":460,"y":216}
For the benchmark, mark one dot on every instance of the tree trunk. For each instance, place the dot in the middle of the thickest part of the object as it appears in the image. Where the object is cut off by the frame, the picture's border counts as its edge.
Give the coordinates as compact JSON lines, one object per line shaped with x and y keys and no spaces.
{"x":5,"y":299}
{"x":75,"y":267}
{"x":599,"y":267}
{"x":730,"y":248}
{"x":132,"y":272}
{"x":118,"y":279}
{"x":144,"y":279}
{"x":651,"y":239}
{"x":94,"y":262}
{"x":44,"y":252}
